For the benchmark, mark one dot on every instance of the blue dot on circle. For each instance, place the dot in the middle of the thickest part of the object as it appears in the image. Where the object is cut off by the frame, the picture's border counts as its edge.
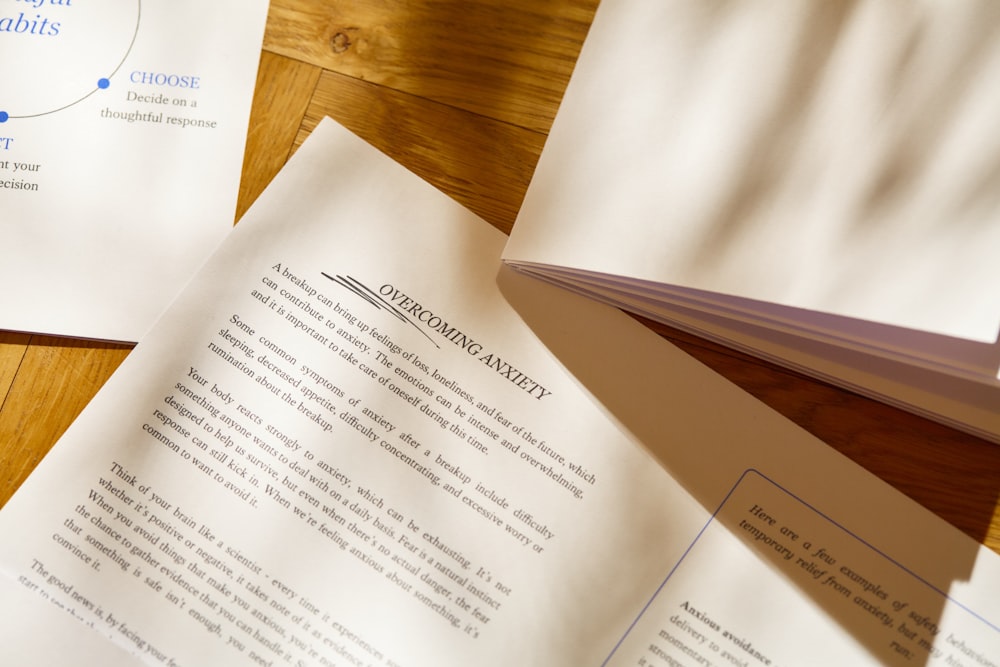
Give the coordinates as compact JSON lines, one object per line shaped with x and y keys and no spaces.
{"x":3,"y":116}
{"x":103,"y":83}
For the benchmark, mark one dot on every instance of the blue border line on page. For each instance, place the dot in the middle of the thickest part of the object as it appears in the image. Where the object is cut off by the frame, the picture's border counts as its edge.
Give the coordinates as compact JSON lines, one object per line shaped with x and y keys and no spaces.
{"x":832,"y":521}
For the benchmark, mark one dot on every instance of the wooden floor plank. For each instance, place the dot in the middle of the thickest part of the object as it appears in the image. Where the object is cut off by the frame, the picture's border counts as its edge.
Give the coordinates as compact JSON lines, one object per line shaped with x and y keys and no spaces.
{"x":482,"y":163}
{"x":284,"y":87}
{"x":12,"y":349}
{"x":56,"y":380}
{"x":509,"y":60}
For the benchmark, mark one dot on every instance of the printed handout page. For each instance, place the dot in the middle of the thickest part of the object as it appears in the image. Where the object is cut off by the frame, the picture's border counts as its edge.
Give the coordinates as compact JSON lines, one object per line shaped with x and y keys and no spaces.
{"x":357,"y":439}
{"x":122,"y":131}
{"x":831,"y":157}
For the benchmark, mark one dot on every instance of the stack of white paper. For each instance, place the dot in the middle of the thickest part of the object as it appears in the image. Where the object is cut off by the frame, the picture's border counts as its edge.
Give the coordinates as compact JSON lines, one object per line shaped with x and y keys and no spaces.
{"x":814,"y":183}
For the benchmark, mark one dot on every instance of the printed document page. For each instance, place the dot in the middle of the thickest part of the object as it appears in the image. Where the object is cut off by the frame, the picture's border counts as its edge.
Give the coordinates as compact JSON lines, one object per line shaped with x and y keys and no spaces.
{"x":355,"y":440}
{"x":122,"y":129}
{"x":834,"y":157}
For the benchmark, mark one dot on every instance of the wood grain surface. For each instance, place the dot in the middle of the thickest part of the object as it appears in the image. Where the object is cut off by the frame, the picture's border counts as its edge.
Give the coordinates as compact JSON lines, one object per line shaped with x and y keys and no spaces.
{"x":463,"y":93}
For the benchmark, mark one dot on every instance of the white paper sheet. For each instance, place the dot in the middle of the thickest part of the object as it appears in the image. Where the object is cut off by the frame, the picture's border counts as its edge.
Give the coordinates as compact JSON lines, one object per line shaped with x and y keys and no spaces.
{"x":122,"y":128}
{"x":835,"y":157}
{"x":352,"y":441}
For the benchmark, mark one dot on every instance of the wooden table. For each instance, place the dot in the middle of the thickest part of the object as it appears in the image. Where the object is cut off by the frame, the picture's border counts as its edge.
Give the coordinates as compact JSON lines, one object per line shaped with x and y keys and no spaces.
{"x":463,"y":92}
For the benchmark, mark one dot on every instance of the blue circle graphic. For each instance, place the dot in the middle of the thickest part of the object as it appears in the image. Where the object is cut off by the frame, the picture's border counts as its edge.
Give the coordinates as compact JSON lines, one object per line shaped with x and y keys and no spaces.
{"x":103,"y":83}
{"x":3,"y":116}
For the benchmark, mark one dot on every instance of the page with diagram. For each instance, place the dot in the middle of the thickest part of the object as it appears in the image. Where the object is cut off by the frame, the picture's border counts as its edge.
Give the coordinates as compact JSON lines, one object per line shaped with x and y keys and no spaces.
{"x":122,"y":130}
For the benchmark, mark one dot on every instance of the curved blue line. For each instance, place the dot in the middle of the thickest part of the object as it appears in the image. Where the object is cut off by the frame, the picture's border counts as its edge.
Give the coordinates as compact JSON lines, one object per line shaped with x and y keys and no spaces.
{"x":135,"y":34}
